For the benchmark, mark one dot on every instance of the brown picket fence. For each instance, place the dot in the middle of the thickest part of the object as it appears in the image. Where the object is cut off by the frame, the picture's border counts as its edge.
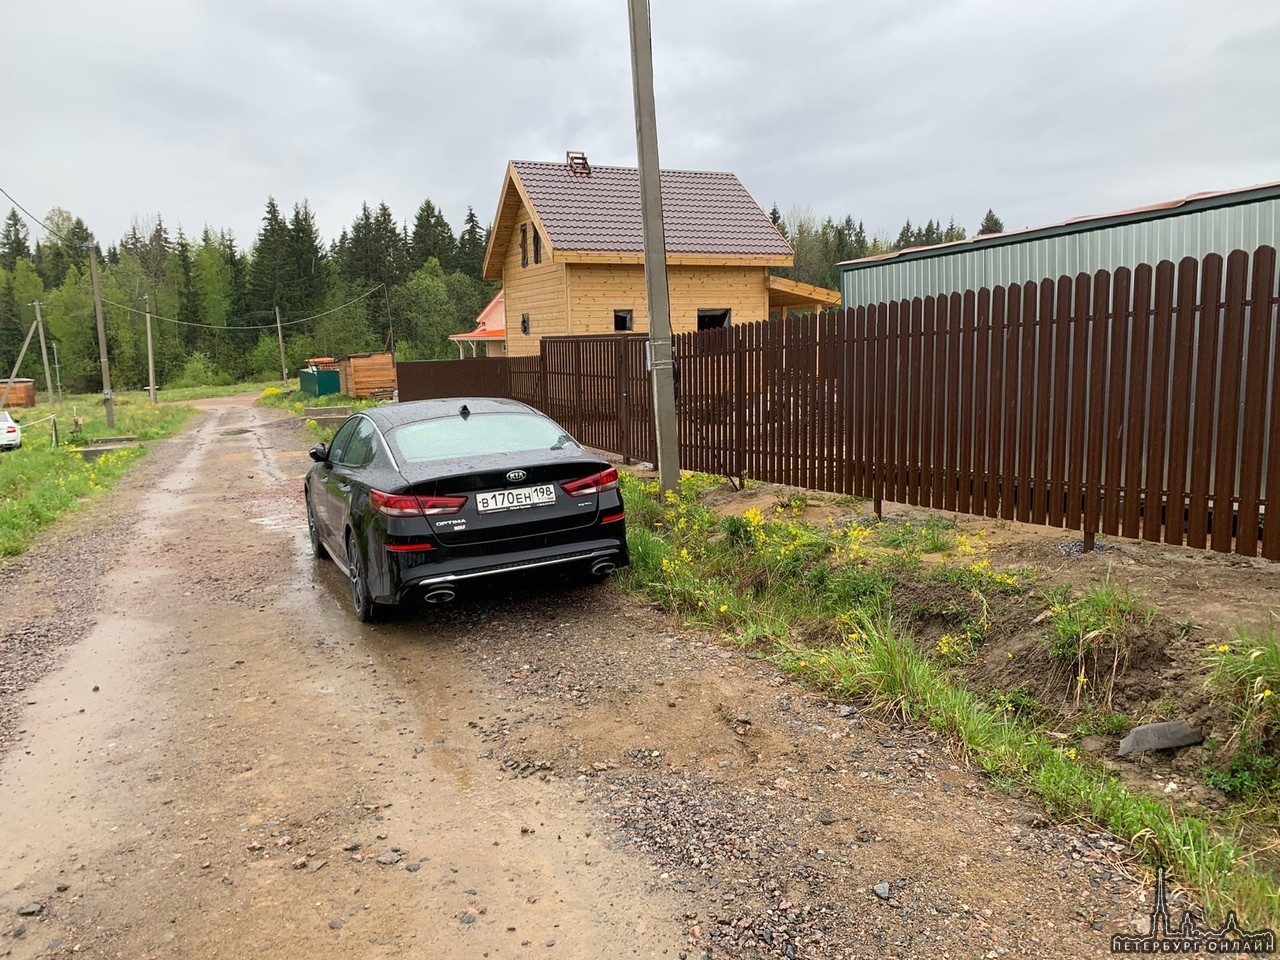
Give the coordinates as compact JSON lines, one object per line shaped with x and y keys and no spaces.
{"x":1138,"y":403}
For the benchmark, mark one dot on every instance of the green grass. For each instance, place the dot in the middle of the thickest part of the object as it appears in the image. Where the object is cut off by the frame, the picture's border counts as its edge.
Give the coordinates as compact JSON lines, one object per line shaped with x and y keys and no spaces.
{"x":183,"y":394}
{"x":931,"y":535}
{"x":40,"y":483}
{"x":1246,"y":672}
{"x":1092,"y":634}
{"x":1103,"y":723}
{"x":818,"y":598}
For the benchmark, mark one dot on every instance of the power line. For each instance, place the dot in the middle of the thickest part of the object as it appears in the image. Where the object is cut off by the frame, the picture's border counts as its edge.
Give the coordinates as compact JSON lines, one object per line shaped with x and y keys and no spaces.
{"x":32,"y":216}
{"x":270,"y":326}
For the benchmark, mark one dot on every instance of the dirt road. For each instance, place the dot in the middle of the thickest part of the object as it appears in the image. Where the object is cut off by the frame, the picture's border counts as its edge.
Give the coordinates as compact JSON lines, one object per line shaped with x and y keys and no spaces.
{"x":227,"y":764}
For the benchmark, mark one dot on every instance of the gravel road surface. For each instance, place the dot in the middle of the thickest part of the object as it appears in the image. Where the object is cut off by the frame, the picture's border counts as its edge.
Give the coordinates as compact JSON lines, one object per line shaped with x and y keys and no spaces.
{"x":205,"y":755}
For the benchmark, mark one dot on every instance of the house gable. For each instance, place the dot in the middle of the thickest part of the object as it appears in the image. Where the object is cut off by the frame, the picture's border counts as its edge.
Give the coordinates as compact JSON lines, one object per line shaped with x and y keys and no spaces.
{"x":709,"y":218}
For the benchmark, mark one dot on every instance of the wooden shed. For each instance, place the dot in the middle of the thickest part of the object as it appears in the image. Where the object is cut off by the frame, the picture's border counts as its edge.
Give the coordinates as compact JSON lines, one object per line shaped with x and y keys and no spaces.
{"x":367,"y":375}
{"x":22,"y":392}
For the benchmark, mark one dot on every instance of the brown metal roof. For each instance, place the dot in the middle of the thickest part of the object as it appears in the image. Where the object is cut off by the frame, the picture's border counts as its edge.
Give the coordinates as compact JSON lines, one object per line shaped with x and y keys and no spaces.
{"x":709,"y":213}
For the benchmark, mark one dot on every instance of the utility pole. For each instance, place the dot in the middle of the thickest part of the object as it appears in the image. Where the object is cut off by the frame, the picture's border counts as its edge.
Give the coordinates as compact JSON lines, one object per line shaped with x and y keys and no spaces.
{"x":284,"y":369}
{"x":655,"y":249}
{"x":151,"y":357}
{"x":57,"y":370}
{"x":8,"y":384}
{"x":44,"y":350}
{"x":107,"y":399}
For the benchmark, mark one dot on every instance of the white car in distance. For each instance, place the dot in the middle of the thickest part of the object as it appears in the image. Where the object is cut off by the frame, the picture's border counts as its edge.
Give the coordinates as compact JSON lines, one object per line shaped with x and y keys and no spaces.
{"x":10,"y":431}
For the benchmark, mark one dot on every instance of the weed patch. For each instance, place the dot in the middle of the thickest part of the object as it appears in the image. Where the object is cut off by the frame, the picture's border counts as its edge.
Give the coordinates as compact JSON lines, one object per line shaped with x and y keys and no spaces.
{"x":1092,"y":636}
{"x":820,"y":599}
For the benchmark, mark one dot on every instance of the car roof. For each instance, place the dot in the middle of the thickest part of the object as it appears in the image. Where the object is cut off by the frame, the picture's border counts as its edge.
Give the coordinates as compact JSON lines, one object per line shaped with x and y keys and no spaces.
{"x":4,"y":415}
{"x":398,"y":414}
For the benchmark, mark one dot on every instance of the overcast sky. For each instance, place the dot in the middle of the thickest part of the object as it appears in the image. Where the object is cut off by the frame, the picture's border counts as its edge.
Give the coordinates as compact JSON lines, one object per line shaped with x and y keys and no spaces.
{"x":1044,"y":110}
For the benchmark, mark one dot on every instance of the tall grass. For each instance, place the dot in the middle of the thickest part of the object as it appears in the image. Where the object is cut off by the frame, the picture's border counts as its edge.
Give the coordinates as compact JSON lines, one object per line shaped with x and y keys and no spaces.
{"x":818,"y":597}
{"x":40,"y":483}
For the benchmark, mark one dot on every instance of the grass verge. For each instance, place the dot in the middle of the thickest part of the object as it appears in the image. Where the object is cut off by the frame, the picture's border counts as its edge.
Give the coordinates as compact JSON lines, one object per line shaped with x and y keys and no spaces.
{"x":40,"y":482}
{"x":818,"y":599}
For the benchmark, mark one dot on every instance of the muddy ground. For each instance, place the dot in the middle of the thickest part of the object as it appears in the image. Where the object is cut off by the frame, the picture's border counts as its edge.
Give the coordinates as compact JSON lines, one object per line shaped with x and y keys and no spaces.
{"x":205,"y":755}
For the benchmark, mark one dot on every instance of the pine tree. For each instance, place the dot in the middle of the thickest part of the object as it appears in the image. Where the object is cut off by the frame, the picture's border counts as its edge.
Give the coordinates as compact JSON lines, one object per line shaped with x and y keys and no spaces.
{"x":471,"y":246}
{"x":271,"y":269}
{"x":775,"y":215}
{"x":389,"y":253}
{"x":356,"y":258}
{"x":953,"y":233}
{"x":990,"y":224}
{"x":154,"y":253}
{"x":906,"y":237}
{"x":14,"y":241}
{"x":860,"y":247}
{"x":432,"y":237}
{"x":12,"y":332}
{"x":66,"y":246}
{"x":188,"y":295}
{"x":311,"y":265}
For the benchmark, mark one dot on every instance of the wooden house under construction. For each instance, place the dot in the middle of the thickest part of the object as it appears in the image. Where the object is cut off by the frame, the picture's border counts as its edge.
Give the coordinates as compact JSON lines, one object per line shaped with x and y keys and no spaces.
{"x":568,"y":245}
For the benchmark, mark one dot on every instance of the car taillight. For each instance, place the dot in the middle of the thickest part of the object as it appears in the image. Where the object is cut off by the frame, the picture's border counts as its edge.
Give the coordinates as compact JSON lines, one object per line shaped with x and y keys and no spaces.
{"x":596,"y":483}
{"x":438,"y":506}
{"x":394,"y":504}
{"x":406,"y":505}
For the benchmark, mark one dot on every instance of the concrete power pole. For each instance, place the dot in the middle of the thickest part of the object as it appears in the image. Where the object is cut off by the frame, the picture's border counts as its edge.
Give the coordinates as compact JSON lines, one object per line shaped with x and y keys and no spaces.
{"x":44,"y":350}
{"x":655,"y":249}
{"x":107,"y":399}
{"x":151,"y":356}
{"x":284,"y":369}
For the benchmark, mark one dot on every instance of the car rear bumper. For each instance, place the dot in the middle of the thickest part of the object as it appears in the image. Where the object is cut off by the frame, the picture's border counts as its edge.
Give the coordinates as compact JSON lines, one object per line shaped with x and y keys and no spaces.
{"x":407,"y":579}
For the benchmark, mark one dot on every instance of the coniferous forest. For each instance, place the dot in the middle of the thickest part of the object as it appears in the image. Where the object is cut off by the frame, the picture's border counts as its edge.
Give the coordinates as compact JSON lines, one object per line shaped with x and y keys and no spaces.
{"x":383,"y":283}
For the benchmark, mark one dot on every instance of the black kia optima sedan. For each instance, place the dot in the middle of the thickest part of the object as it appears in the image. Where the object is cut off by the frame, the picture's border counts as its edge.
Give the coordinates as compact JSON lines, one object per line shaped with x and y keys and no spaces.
{"x":414,"y":500}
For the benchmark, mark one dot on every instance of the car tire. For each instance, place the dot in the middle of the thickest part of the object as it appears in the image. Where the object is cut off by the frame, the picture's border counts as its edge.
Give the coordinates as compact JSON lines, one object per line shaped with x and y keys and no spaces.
{"x":361,"y":602}
{"x":317,"y":546}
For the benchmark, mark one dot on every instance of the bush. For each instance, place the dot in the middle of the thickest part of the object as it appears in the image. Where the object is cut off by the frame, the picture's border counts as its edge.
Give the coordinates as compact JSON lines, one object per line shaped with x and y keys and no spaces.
{"x":199,"y":371}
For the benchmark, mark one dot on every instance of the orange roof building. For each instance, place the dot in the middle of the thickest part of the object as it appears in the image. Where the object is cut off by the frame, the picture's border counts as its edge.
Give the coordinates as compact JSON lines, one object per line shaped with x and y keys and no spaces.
{"x":490,"y":334}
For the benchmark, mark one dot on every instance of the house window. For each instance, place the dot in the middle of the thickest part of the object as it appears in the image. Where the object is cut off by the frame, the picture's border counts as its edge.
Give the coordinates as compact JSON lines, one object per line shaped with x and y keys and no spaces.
{"x":622,"y":321}
{"x":537,"y":246}
{"x":712,"y":318}
{"x":524,"y":324}
{"x":524,"y":244}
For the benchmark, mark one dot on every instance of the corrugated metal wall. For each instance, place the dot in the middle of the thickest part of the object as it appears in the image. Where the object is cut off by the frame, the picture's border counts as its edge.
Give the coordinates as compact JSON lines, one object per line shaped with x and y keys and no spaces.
{"x":1245,"y":226}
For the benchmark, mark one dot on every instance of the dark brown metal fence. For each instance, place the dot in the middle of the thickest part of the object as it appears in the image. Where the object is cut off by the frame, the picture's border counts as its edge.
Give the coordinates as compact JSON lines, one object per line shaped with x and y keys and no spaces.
{"x":1143,"y":403}
{"x":466,"y":377}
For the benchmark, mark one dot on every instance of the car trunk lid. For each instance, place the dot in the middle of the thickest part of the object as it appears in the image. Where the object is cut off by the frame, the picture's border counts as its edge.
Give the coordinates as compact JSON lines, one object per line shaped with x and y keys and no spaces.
{"x":510,"y":499}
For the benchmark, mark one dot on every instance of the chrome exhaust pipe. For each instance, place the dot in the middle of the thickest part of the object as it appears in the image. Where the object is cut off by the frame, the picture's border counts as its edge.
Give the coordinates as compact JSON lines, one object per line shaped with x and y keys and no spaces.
{"x":440,"y":595}
{"x":602,"y":568}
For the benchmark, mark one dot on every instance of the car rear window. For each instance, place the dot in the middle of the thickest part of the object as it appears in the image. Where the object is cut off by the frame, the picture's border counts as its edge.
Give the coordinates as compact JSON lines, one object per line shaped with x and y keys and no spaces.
{"x":477,"y":435}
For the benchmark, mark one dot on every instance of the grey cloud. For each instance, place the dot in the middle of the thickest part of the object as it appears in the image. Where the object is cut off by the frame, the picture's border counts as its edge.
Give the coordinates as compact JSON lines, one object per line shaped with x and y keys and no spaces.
{"x":884,"y":110}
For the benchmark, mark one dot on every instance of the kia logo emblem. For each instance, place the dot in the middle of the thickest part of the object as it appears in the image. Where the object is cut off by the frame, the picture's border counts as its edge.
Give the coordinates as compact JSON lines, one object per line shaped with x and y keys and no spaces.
{"x":515,"y":476}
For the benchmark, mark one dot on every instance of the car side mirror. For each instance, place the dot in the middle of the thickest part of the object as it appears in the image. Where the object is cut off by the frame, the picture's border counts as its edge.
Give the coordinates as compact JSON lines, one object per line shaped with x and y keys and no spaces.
{"x":319,"y":454}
